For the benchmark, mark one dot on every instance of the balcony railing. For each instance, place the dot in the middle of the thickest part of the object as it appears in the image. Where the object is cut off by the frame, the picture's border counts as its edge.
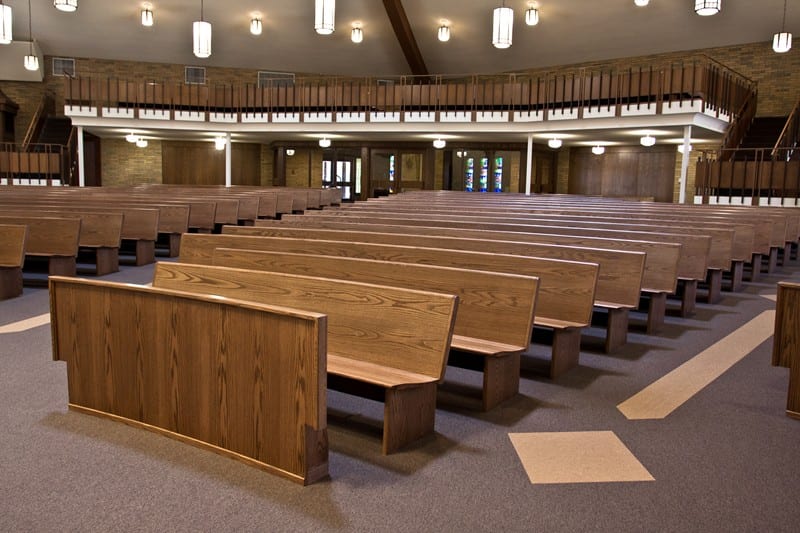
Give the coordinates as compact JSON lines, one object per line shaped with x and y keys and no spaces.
{"x":36,"y":164}
{"x":696,"y":86}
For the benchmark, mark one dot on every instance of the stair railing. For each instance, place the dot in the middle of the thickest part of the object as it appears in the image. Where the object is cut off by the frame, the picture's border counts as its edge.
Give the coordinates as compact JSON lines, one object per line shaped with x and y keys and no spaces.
{"x":739,"y":126}
{"x":46,"y":106}
{"x":787,"y":143}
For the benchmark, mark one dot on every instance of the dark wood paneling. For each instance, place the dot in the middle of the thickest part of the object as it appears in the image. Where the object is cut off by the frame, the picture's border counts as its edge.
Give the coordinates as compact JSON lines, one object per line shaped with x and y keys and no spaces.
{"x":623,"y":172}
{"x":199,"y":163}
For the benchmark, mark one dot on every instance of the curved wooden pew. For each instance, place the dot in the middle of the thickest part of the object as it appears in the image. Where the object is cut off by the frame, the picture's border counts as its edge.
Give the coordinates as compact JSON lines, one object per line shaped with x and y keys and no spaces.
{"x":495,"y":315}
{"x":252,"y":388}
{"x":563,"y":305}
{"x":386,"y":343}
{"x":618,"y":284}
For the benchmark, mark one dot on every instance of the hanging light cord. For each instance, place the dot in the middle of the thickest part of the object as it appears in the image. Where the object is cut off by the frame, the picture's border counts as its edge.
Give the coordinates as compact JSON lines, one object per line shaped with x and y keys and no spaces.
{"x":783,"y":24}
{"x":201,"y":10}
{"x":30,"y":25}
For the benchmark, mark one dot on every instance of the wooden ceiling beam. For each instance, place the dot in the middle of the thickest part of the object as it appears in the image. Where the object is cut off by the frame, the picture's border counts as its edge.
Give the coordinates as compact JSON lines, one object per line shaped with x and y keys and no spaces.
{"x":402,"y":29}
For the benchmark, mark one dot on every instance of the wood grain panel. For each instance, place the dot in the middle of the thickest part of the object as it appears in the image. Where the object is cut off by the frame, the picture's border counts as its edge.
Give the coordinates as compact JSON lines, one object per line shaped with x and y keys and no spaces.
{"x":252,"y":388}
{"x":623,"y":172}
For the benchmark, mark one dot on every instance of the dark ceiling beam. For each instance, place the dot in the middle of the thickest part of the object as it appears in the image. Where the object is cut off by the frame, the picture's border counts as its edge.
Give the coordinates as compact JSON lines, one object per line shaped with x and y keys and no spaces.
{"x":402,"y":29}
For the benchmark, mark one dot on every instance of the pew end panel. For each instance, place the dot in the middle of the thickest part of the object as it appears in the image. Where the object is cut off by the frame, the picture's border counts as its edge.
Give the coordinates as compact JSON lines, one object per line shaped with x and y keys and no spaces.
{"x":253,"y":388}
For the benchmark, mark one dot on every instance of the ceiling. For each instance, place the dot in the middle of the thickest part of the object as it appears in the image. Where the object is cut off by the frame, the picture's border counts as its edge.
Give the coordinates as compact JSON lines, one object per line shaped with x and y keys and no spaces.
{"x":570,"y":31}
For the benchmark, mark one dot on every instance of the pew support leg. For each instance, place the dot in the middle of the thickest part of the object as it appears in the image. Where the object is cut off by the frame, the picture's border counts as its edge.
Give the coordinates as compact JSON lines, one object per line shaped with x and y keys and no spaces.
{"x":656,"y":311}
{"x":617,"y":332}
{"x":174,"y":244}
{"x":408,"y":415}
{"x":688,"y":296}
{"x":62,"y":266}
{"x":737,"y":275}
{"x":145,"y":252}
{"x":714,"y":280}
{"x":500,"y":379}
{"x":566,"y":351}
{"x":755,"y":272}
{"x":772,"y":260}
{"x":10,"y":282}
{"x":786,"y":255}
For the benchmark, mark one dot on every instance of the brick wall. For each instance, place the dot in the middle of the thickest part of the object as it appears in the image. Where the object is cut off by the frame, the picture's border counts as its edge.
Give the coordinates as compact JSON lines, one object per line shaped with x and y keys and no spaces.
{"x":125,"y":164}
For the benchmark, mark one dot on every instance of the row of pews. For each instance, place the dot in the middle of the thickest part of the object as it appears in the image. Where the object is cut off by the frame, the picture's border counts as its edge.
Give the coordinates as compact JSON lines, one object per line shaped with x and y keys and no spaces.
{"x":95,"y":225}
{"x":407,"y":285}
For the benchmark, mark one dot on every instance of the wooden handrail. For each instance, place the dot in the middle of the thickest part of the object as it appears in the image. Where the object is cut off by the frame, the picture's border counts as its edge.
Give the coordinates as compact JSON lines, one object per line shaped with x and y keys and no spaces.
{"x":738,"y":128}
{"x":46,"y":104}
{"x":790,"y":132}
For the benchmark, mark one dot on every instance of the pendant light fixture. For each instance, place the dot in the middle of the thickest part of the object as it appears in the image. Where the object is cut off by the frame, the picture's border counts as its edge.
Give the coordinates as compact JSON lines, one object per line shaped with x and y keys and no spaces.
{"x":444,"y":32}
{"x":141,"y":143}
{"x":706,"y":8}
{"x":324,"y":142}
{"x":782,"y":42}
{"x":356,"y":34}
{"x":641,"y":3}
{"x":531,"y":16}
{"x":31,"y":61}
{"x":555,"y":143}
{"x":131,"y":138}
{"x":502,"y":26}
{"x":147,"y":14}
{"x":648,"y":140}
{"x":439,"y":143}
{"x":201,"y":31}
{"x":220,"y":143}
{"x":5,"y":24}
{"x":67,"y":6}
{"x":324,"y":15}
{"x":598,"y":149}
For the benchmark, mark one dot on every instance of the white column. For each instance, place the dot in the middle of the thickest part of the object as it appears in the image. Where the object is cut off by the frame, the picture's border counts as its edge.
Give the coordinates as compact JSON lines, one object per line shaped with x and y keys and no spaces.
{"x":687,"y":136}
{"x":528,"y":169}
{"x":228,"y":160}
{"x":81,"y":170}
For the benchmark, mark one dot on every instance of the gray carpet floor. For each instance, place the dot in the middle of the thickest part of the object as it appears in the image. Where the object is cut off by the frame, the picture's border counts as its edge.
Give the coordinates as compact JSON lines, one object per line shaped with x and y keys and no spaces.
{"x":726,"y":460}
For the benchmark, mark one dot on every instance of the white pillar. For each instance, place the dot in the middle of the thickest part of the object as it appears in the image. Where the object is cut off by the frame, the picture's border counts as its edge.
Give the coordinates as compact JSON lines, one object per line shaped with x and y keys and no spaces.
{"x":228,"y":160}
{"x":81,"y":170}
{"x":529,"y":164}
{"x":687,"y":136}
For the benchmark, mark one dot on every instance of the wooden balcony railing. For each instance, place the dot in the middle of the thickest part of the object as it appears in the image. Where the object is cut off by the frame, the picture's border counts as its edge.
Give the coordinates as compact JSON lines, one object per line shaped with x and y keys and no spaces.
{"x":753,"y":176}
{"x":787,"y":145}
{"x":42,"y":163}
{"x":716,"y":89}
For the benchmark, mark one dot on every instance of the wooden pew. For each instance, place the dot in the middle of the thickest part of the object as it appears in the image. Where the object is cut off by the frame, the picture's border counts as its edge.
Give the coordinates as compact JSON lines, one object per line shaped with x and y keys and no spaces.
{"x":493,"y":325}
{"x":566,"y":288}
{"x":387,"y":343}
{"x":248,"y":383}
{"x":618,"y":284}
{"x":12,"y":257}
{"x":55,"y":239}
{"x":786,"y":341}
{"x":665,"y":262}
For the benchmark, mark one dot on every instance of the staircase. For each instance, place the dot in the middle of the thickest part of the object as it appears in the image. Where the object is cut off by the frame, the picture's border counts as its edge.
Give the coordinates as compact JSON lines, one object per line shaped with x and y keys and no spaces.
{"x":763,"y":133}
{"x":56,"y":130}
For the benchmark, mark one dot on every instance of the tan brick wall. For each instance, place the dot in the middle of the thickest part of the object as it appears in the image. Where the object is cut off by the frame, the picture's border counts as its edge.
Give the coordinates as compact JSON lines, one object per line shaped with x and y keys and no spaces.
{"x":27,"y":96}
{"x":125,"y":164}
